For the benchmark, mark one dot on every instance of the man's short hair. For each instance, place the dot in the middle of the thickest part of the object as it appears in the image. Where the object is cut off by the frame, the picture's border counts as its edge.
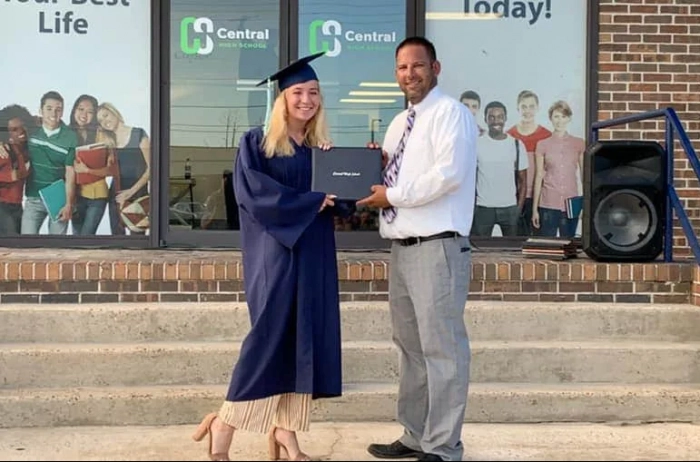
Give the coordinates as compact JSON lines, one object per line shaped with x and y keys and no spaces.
{"x":528,"y":94}
{"x":420,"y":41}
{"x":495,"y":104}
{"x":51,"y":95}
{"x":470,"y":94}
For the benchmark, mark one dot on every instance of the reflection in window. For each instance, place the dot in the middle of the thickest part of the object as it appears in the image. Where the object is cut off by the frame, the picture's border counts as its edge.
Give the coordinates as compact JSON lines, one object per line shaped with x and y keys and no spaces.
{"x":219,"y":51}
{"x":518,"y":93}
{"x":360,"y":92}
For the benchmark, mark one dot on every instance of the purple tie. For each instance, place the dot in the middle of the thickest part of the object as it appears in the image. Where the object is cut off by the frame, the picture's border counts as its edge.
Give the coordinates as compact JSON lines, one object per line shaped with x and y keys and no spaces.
{"x":391,"y":173}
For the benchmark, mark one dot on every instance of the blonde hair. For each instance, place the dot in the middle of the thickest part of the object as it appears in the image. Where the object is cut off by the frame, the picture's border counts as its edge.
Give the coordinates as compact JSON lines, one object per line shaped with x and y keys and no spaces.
{"x":276,"y":141}
{"x":106,"y":137}
{"x":110,"y":107}
{"x":562,"y":107}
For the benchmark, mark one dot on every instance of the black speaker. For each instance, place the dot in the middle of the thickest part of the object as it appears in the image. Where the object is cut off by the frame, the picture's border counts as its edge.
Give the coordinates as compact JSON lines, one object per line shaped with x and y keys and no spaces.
{"x":624,"y":205}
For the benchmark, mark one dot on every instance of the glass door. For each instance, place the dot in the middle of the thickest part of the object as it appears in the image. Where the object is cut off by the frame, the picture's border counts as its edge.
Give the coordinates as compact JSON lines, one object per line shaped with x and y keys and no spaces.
{"x":219,"y":50}
{"x":360,"y":92}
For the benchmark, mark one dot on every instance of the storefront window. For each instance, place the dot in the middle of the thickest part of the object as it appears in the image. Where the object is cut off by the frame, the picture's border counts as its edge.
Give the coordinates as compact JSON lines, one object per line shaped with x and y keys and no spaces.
{"x":75,"y":119}
{"x":219,"y":51}
{"x":357,"y":73}
{"x":521,"y":69}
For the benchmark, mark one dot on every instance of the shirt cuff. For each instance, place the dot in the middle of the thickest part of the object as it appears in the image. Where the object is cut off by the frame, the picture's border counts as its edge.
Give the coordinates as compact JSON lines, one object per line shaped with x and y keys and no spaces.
{"x":393,"y":195}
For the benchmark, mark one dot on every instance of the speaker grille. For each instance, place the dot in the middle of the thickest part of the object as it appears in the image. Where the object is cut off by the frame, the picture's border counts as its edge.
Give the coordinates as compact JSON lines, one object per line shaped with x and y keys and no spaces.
{"x":625,"y":220}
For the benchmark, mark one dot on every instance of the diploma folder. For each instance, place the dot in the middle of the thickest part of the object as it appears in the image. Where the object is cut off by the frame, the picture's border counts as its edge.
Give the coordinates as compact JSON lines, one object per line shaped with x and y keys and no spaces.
{"x":348,"y":173}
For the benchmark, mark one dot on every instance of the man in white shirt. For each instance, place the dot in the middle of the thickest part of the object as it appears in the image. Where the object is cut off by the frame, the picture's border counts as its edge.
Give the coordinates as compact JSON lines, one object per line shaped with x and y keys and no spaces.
{"x":426,"y":210}
{"x":501,"y":176}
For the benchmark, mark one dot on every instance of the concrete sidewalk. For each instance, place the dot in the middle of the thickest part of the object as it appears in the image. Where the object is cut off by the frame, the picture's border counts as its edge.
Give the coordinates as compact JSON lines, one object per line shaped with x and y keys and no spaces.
{"x":347,"y":441}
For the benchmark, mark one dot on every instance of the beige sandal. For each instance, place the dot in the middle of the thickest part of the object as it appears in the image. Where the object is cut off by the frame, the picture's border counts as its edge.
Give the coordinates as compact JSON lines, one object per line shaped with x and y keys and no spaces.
{"x":203,"y":429}
{"x":276,"y":447}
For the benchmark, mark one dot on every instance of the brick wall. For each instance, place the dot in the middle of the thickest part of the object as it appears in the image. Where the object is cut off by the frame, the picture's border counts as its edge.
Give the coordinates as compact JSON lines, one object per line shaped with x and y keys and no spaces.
{"x":695,"y":292}
{"x":649,"y":58}
{"x":74,"y":276}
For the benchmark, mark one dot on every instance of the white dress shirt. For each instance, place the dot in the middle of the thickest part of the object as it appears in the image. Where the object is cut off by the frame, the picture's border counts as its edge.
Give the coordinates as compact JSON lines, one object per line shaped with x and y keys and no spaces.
{"x":437,"y":180}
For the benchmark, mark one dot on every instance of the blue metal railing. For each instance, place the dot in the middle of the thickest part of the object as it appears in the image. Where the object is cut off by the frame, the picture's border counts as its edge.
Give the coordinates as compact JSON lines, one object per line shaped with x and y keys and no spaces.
{"x":673,"y":202}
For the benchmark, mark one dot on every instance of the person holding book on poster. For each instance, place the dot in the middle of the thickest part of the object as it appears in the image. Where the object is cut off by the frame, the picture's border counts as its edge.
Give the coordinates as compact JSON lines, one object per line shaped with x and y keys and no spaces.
{"x":559,"y":160}
{"x":93,"y":160}
{"x":132,"y":172}
{"x":50,"y":188}
{"x":15,"y":124}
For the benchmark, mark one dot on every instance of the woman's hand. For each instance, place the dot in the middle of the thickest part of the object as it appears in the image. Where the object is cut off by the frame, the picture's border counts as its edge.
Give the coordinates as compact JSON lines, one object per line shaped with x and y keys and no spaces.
{"x":80,"y":167}
{"x":123,"y":196}
{"x":325,"y":146}
{"x":535,"y":219}
{"x":328,"y":202}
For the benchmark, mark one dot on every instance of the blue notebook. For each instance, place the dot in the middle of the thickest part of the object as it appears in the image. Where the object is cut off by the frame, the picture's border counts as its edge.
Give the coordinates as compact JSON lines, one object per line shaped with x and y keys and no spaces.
{"x":574,"y":205}
{"x":54,"y":198}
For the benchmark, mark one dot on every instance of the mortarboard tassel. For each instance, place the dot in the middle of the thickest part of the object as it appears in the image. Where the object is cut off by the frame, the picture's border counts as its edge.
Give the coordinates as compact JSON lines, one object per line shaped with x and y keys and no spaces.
{"x":268,"y":104}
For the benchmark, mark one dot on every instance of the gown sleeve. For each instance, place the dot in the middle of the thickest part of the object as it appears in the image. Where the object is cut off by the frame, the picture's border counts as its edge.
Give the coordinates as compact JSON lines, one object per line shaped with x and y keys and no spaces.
{"x":283,"y":211}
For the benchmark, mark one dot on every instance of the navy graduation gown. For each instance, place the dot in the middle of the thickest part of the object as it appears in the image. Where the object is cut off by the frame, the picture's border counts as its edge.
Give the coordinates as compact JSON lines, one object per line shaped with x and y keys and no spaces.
{"x":290,"y":278}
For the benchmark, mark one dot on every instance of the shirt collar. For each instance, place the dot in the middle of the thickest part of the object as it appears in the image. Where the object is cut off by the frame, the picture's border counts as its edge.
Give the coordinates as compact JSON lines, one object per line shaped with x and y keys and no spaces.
{"x":53,"y":132}
{"x":429,"y":99}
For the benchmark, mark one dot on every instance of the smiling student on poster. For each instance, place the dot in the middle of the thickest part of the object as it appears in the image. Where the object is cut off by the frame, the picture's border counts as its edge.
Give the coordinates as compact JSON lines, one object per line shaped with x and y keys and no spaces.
{"x":93,"y":62}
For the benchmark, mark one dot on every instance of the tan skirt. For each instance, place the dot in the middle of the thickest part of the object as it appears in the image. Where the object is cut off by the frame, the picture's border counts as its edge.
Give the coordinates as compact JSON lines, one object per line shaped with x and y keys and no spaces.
{"x":289,"y":411}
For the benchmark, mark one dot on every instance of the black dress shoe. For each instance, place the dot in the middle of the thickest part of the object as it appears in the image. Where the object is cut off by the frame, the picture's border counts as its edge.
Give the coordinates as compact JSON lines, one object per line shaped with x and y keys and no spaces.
{"x":428,"y":456}
{"x":395,"y":450}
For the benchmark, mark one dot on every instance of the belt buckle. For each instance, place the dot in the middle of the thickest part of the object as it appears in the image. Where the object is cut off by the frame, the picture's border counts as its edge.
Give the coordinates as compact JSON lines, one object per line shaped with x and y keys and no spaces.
{"x":411,"y":241}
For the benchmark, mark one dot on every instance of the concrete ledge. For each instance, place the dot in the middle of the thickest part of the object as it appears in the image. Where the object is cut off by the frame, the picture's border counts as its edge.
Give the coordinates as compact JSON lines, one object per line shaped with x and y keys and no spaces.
{"x":361,"y":321}
{"x":196,"y":363}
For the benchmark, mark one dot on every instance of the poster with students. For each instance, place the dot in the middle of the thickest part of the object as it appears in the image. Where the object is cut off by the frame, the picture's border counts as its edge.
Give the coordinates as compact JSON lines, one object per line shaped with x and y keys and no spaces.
{"x":520,"y":67}
{"x":75,"y":117}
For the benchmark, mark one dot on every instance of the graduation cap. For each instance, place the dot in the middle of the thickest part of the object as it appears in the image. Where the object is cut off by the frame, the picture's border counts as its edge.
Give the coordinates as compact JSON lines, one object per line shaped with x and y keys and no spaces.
{"x":297,"y":72}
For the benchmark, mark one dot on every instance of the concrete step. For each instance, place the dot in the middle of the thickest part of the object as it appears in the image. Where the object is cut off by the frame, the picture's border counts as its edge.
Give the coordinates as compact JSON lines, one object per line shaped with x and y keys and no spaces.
{"x":365,"y":402}
{"x":197,"y":363}
{"x":343,"y":441}
{"x":361,"y":321}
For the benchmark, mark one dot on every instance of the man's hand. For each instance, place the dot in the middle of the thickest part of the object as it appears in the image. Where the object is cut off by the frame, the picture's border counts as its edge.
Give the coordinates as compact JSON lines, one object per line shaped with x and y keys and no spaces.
{"x":377,"y":199}
{"x":385,"y":156}
{"x":66,"y":213}
{"x":4,"y":151}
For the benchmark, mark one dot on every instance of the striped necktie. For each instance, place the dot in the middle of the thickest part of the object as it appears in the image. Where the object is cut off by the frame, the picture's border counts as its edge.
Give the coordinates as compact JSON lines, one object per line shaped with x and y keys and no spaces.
{"x":391,"y":173}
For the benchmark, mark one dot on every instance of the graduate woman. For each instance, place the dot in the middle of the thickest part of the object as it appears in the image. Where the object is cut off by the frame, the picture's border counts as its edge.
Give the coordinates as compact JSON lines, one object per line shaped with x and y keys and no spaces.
{"x":292,"y":353}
